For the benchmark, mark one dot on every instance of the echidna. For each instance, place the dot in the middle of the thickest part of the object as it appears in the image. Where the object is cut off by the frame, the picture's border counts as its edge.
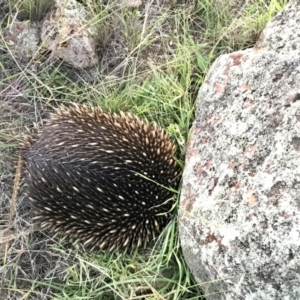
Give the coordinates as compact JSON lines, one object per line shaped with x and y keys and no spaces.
{"x":101,"y":179}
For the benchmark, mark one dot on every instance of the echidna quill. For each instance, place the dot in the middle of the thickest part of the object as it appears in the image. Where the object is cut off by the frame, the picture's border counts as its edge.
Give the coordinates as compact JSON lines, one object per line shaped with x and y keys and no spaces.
{"x":101,"y":179}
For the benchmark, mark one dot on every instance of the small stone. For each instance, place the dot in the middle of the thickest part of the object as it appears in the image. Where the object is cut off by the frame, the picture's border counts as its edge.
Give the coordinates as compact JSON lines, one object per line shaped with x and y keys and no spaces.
{"x":66,"y":32}
{"x":23,"y":39}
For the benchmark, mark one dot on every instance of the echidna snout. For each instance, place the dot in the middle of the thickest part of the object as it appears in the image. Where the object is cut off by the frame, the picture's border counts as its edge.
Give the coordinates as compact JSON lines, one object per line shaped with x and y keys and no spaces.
{"x":101,"y":179}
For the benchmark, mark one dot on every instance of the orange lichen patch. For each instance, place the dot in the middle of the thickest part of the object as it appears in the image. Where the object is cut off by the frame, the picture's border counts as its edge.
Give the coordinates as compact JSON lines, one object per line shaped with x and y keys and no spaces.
{"x":219,"y":88}
{"x":227,"y":69}
{"x":211,"y":238}
{"x":208,"y":164}
{"x":191,"y":152}
{"x":195,"y":131}
{"x":237,"y":185}
{"x":232,"y":164}
{"x":236,"y":58}
{"x":212,"y":121}
{"x":249,"y":151}
{"x":198,"y":169}
{"x":189,"y":199}
{"x":251,"y":199}
{"x":245,"y":86}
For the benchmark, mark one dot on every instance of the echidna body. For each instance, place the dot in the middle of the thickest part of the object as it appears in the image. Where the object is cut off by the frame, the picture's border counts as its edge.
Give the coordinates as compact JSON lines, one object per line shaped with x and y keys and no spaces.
{"x":101,"y":179}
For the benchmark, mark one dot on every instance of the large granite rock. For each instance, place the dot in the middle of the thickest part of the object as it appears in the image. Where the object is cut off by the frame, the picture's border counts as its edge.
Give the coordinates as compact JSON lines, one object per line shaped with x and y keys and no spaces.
{"x":240,"y":205}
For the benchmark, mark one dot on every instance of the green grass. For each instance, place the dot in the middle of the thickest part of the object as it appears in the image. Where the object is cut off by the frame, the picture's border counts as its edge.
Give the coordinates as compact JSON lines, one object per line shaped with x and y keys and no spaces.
{"x":152,"y":64}
{"x":33,"y":10}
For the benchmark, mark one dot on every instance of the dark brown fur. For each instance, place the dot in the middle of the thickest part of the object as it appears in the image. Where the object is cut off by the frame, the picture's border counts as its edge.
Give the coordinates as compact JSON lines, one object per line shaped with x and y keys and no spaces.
{"x":101,"y":179}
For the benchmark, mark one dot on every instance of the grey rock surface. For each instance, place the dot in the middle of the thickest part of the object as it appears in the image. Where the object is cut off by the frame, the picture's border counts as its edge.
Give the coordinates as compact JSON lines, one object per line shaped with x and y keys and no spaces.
{"x":239,"y":219}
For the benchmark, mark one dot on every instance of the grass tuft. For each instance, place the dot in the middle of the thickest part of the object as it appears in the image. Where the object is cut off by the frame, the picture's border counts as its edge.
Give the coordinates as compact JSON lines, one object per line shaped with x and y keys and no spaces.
{"x":33,"y":10}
